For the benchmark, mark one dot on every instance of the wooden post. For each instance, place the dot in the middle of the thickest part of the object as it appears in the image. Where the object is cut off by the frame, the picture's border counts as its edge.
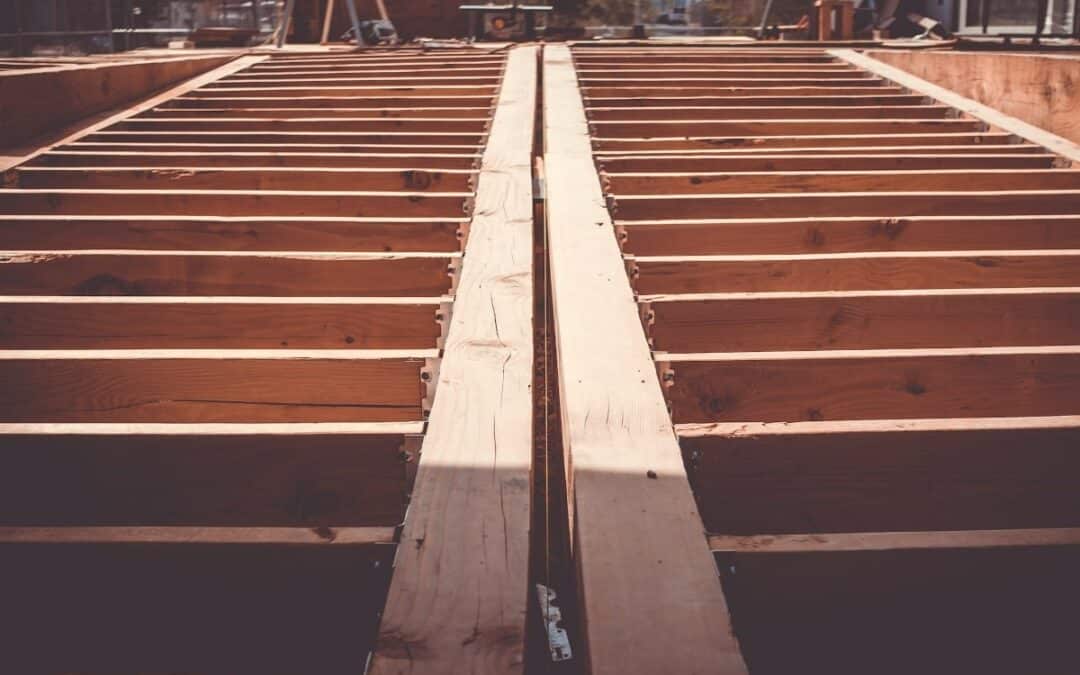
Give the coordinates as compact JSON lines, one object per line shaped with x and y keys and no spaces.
{"x":327,"y":20}
{"x":286,"y":19}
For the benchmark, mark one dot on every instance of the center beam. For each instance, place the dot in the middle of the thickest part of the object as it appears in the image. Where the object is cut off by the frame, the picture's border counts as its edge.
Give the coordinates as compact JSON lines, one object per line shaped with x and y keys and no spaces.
{"x":648,"y":579}
{"x":457,"y":601}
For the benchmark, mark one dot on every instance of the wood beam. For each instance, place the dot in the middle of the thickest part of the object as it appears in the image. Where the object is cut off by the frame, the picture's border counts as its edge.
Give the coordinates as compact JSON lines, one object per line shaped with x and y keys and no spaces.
{"x":744,"y":322}
{"x":885,"y":475}
{"x":457,"y":602}
{"x":463,"y":161}
{"x":803,"y":141}
{"x":142,"y":385}
{"x":625,"y":469}
{"x":854,"y":234}
{"x":872,"y":384}
{"x":853,"y":161}
{"x":115,"y":322}
{"x":105,"y":476}
{"x":216,"y":233}
{"x":224,"y":273}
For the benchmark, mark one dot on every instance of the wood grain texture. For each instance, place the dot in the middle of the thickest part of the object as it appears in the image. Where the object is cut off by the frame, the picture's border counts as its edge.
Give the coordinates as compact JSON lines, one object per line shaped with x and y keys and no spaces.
{"x":655,"y":182}
{"x":869,"y":384}
{"x":179,"y":177}
{"x":645,"y":593}
{"x":864,"y":320}
{"x":856,"y":271}
{"x":239,"y":274}
{"x":849,"y":235}
{"x":704,"y":128}
{"x":458,"y":598}
{"x":810,"y":162}
{"x":838,"y":140}
{"x":224,"y":233}
{"x":218,"y":322}
{"x":893,"y":204}
{"x":885,"y":475}
{"x":270,"y":158}
{"x":211,"y":386}
{"x":232,"y":203}
{"x":191,"y":475}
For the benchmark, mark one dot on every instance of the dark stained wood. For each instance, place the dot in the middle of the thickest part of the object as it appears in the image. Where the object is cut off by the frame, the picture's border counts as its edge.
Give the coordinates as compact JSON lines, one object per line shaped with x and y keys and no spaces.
{"x":218,"y":323}
{"x":248,"y":475}
{"x":211,"y":386}
{"x":884,"y":384}
{"x":254,"y":274}
{"x":269,"y":158}
{"x":855,"y":161}
{"x":887,"y":475}
{"x":661,"y":128}
{"x":843,"y":235}
{"x":902,"y":320}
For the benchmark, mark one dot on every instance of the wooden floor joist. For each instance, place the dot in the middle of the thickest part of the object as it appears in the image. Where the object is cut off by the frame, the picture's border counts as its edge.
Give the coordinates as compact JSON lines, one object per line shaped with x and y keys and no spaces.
{"x":223,"y":318}
{"x":860,"y":293}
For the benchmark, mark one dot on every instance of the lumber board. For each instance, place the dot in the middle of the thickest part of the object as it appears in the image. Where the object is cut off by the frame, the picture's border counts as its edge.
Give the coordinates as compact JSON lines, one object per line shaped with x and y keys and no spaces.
{"x":299,"y":112}
{"x":224,"y":273}
{"x":688,"y":77}
{"x":135,"y":322}
{"x":872,"y":384}
{"x":886,"y":541}
{"x":856,"y":271}
{"x":747,"y":112}
{"x":885,"y":475}
{"x":633,"y":99}
{"x":845,"y":235}
{"x":179,"y":177}
{"x":273,"y":607}
{"x":617,"y":430}
{"x":704,"y":128}
{"x":946,"y":149}
{"x":893,"y":204}
{"x":853,"y":161}
{"x":1061,"y":146}
{"x":801,"y":141}
{"x":463,"y":161}
{"x":218,"y":123}
{"x":397,"y":91}
{"x":291,"y":138}
{"x":292,"y":536}
{"x":458,"y":598}
{"x":733,"y":89}
{"x":744,"y":322}
{"x":223,"y":233}
{"x":334,"y":385}
{"x":278,"y":203}
{"x":226,"y":148}
{"x":106,"y":476}
{"x":372,"y":103}
{"x":653,"y":182}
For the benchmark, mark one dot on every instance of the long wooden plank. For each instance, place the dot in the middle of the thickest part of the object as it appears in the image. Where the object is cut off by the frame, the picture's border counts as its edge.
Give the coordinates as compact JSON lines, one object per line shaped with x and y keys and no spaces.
{"x":744,"y":322}
{"x":457,"y":602}
{"x":214,"y":233}
{"x":289,"y":138}
{"x":660,"y":128}
{"x":179,"y":177}
{"x":215,"y":536}
{"x":885,"y":475}
{"x":856,"y":271}
{"x":852,"y":161}
{"x":1061,"y":146}
{"x":232,"y":203}
{"x":637,"y":535}
{"x":873,"y":384}
{"x":298,"y":112}
{"x":269,"y":158}
{"x":734,"y":112}
{"x":349,"y":385}
{"x":840,"y":235}
{"x":778,"y":101}
{"x":801,"y":141}
{"x":716,"y":182}
{"x":889,"y":541}
{"x":353,"y":103}
{"x":889,"y":204}
{"x":135,"y":322}
{"x":218,"y":123}
{"x":264,"y":475}
{"x":224,"y":273}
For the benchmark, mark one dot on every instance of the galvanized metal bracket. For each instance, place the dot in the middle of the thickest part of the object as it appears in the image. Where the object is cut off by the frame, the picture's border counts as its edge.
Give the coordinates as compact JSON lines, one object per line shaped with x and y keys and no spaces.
{"x":429,"y":379}
{"x":558,"y":640}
